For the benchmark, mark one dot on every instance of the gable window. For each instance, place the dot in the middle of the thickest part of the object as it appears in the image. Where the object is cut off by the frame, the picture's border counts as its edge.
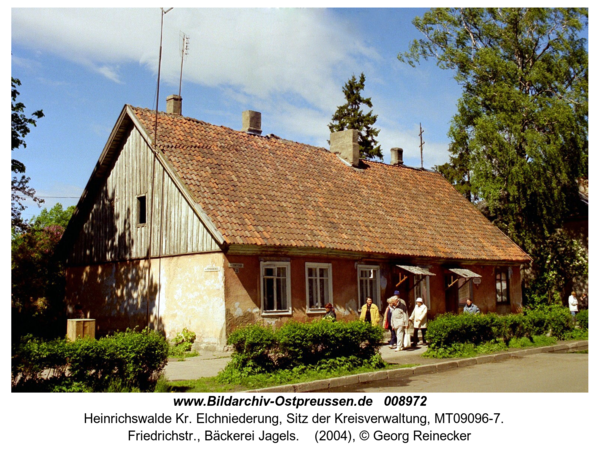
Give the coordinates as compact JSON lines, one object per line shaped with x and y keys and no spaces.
{"x":319,"y":289}
{"x":368,"y":284}
{"x":422,"y":289}
{"x":141,"y":210}
{"x":502,"y":292}
{"x":275,"y":288}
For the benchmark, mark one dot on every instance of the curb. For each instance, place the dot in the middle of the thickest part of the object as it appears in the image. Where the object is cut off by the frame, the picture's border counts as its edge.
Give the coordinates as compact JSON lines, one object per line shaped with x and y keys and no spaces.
{"x":407,"y":372}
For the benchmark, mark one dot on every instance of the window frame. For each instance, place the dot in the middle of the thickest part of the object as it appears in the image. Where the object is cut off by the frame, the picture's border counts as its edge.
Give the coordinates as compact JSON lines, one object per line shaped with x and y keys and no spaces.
{"x":276,"y":264}
{"x":362,"y":297}
{"x":318,"y":265}
{"x":424,"y":280}
{"x":142,"y":199}
{"x":502,"y":271}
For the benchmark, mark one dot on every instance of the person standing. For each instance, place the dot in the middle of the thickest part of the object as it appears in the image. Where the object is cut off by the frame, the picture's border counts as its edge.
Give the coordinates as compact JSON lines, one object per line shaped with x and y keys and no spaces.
{"x":583,"y":303}
{"x":387,"y":317}
{"x":419,"y":320}
{"x":573,"y":304}
{"x":329,"y":313}
{"x":470,"y":308}
{"x":370,"y":312}
{"x":399,"y":323}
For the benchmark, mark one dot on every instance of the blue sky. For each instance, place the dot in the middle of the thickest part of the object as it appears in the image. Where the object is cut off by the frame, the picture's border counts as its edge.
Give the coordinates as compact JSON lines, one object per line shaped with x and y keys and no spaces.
{"x":82,"y":65}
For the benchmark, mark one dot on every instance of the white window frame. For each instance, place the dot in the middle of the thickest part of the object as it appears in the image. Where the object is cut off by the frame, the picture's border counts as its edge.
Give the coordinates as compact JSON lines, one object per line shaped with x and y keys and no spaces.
{"x":424,"y":280}
{"x":502,"y":270}
{"x":362,"y":297}
{"x":318,"y":265}
{"x":276,"y":264}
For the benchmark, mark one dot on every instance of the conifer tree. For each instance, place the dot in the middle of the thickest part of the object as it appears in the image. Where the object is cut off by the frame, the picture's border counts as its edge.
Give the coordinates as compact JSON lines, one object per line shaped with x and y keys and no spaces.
{"x":350,"y":116}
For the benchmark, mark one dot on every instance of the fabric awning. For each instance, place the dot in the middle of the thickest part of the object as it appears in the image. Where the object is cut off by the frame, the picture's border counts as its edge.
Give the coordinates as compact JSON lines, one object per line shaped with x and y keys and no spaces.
{"x":464,"y":273}
{"x":416,"y":270}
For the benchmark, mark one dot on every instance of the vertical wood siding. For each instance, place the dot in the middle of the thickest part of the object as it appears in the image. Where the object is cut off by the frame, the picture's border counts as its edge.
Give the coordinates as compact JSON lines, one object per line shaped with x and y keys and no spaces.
{"x":111,"y":232}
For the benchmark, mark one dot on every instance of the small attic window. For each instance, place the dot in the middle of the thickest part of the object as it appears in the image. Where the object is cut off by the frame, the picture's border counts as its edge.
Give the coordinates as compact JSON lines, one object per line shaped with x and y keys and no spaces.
{"x":141,"y":210}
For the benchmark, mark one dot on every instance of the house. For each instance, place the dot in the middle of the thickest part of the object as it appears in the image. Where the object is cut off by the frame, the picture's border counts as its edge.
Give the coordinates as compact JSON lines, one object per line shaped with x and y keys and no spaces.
{"x":209,"y":228}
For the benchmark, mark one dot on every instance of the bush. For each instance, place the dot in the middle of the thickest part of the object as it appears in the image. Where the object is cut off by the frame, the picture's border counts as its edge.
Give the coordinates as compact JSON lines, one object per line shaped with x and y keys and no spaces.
{"x":582,"y":319}
{"x":297,"y":347}
{"x":448,"y":333}
{"x":127,"y":361}
{"x":182,"y":343}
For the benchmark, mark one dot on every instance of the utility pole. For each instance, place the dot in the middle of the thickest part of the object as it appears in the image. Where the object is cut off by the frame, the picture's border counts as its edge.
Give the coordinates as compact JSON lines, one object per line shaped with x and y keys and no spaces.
{"x":422,"y":143}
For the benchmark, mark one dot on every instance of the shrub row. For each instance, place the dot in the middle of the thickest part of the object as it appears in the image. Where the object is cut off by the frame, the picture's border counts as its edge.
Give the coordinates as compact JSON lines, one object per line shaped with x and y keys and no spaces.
{"x":449,"y":329}
{"x":127,"y":361}
{"x":259,"y":349}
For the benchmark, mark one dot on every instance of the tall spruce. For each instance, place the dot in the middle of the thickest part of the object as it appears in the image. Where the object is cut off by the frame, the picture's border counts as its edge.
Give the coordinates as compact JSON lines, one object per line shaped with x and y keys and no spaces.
{"x":350,"y":116}
{"x":519,"y":141}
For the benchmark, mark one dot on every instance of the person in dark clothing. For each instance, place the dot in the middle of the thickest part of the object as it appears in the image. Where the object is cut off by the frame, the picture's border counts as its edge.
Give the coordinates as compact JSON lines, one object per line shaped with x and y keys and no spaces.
{"x":329,"y":313}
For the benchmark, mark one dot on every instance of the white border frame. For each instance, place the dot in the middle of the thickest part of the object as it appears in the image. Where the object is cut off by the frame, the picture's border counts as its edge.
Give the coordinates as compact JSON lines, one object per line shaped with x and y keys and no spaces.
{"x":360,"y":267}
{"x":275,"y":264}
{"x":308,"y":265}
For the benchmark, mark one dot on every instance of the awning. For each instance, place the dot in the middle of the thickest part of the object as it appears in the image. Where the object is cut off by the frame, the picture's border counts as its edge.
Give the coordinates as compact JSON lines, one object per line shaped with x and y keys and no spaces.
{"x":416,"y":270}
{"x":464,"y":273}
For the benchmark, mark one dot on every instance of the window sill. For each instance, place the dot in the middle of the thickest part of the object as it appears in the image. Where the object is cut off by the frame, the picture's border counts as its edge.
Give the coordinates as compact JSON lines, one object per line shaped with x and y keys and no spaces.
{"x":276,"y":313}
{"x":316,"y":311}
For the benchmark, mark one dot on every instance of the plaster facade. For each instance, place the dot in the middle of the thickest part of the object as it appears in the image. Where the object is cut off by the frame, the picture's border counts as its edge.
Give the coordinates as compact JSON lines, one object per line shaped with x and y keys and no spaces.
{"x":169,"y":293}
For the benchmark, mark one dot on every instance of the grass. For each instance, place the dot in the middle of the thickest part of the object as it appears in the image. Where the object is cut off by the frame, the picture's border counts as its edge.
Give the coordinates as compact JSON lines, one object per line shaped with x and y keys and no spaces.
{"x":471,"y":350}
{"x":211,"y":384}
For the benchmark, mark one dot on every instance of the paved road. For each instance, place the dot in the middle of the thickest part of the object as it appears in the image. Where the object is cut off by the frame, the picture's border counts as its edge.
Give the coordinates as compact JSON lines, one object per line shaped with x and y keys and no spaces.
{"x":544,"y":372}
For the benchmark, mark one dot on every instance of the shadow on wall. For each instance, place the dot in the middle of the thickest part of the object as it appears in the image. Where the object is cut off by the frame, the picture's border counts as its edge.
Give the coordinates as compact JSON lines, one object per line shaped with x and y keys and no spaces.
{"x":122,"y":292}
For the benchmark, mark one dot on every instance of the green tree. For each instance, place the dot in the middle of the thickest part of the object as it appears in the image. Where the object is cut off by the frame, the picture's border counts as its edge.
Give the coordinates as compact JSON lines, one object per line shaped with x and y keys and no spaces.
{"x":519,"y":141}
{"x":55,"y":216}
{"x":20,"y":124}
{"x":37,"y":275}
{"x":350,"y":116}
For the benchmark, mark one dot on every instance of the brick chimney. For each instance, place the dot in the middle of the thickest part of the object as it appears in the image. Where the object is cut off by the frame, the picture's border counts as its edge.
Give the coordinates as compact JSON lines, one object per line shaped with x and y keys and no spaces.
{"x":396,"y":156}
{"x":345,"y":145}
{"x":251,"y":122}
{"x":174,"y":104}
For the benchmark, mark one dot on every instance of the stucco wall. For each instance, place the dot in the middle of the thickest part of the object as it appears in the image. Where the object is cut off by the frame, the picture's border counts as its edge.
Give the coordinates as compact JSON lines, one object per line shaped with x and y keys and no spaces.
{"x":242,"y":289}
{"x":172,"y":294}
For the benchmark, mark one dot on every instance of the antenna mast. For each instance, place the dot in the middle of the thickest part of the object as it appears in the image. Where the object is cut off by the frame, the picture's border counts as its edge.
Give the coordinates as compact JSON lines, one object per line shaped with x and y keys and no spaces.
{"x":185,"y":45}
{"x":162,"y":15}
{"x":422,"y":143}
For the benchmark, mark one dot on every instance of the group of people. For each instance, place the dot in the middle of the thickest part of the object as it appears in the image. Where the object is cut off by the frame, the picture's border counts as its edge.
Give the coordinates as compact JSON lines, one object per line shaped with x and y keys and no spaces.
{"x":575,"y":304}
{"x":397,"y":320}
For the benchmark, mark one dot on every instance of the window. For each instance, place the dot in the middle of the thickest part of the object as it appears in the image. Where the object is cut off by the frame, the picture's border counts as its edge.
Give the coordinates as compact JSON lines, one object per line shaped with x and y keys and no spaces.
{"x":368,"y":284}
{"x":141,"y":209}
{"x":422,"y":289}
{"x":465,"y":290}
{"x":275,"y":287}
{"x":502,"y":291}
{"x":319,"y":289}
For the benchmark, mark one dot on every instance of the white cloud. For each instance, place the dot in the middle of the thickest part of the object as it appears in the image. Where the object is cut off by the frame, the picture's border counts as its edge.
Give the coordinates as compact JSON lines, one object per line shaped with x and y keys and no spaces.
{"x":254,"y":52}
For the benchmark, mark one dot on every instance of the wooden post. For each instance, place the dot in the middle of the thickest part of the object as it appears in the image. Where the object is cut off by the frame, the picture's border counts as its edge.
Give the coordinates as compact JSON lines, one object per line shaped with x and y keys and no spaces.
{"x":81,"y":328}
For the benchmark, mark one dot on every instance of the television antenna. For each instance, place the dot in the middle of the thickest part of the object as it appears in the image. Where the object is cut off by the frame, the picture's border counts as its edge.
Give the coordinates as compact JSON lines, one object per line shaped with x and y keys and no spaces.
{"x":162,"y":15}
{"x":185,"y":47}
{"x":422,"y":143}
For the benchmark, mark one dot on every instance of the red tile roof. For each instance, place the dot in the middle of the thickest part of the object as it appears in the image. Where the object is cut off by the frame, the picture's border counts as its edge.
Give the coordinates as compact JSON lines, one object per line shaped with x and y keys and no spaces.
{"x":261,"y":190}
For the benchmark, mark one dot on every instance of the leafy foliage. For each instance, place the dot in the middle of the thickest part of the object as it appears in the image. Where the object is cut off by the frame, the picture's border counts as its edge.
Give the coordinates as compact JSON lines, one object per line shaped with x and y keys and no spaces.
{"x":519,"y":141}
{"x":181,"y":344}
{"x":37,"y":285}
{"x":461,"y":335}
{"x":350,"y":116}
{"x":299,"y":347}
{"x":126,"y":361}
{"x":20,"y":127}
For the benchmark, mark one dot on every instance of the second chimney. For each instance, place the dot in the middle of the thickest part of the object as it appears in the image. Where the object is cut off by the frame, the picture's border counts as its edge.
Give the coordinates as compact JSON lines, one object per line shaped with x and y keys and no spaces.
{"x":251,"y":122}
{"x":174,"y":104}
{"x":345,"y":145}
{"x":396,"y":158}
